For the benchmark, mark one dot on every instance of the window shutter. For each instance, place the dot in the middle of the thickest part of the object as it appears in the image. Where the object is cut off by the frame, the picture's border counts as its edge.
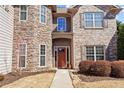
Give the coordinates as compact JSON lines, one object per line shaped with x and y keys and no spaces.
{"x":83,"y":52}
{"x":81,"y":20}
{"x":105,"y":23}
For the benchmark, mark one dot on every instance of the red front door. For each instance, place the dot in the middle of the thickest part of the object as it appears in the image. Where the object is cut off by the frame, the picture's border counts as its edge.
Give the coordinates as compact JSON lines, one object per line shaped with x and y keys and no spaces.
{"x":61,"y":57}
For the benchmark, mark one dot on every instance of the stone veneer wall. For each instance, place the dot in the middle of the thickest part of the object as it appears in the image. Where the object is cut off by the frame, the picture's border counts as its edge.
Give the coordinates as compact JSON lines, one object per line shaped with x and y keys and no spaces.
{"x":81,"y":36}
{"x":33,"y":33}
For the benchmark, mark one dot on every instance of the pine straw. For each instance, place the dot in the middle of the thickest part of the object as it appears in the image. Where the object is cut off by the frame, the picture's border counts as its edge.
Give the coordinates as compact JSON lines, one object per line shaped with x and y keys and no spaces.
{"x":83,"y":81}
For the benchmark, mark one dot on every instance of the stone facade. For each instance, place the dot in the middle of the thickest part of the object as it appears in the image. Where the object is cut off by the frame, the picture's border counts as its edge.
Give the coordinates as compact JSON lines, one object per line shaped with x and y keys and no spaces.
{"x":105,"y":36}
{"x":33,"y":33}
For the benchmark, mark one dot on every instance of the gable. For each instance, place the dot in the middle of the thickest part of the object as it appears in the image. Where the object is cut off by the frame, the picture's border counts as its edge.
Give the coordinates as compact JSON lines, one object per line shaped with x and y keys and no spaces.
{"x":89,"y":8}
{"x":110,"y":10}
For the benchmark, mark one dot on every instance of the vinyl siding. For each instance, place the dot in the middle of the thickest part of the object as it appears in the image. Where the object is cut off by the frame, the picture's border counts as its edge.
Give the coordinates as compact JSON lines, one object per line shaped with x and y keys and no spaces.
{"x":6,"y":39}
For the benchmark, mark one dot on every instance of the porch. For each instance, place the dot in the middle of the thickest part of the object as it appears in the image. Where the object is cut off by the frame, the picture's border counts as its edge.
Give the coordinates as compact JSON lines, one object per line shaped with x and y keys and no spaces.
{"x":62,"y":53}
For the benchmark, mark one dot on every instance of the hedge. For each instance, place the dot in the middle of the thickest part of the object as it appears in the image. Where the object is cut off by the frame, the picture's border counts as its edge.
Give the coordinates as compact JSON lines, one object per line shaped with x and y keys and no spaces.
{"x":84,"y":66}
{"x":100,"y":68}
{"x":117,"y":69}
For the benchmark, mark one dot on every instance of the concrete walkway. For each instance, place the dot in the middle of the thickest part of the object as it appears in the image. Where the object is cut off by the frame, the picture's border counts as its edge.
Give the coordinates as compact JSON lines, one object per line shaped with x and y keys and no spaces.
{"x":62,"y":79}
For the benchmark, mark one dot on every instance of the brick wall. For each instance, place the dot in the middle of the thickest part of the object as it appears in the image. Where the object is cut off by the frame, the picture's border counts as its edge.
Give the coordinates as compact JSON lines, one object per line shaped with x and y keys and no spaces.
{"x":33,"y":33}
{"x":81,"y":36}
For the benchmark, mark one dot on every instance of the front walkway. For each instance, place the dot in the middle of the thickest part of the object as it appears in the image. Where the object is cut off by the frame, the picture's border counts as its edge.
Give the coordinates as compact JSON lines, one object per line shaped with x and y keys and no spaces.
{"x":62,"y":79}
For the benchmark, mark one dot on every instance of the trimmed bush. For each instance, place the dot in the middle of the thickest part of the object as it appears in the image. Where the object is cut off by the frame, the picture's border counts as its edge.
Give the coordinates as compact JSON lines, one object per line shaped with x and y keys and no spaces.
{"x":84,"y":67}
{"x":1,"y":77}
{"x":117,"y":69}
{"x":100,"y":68}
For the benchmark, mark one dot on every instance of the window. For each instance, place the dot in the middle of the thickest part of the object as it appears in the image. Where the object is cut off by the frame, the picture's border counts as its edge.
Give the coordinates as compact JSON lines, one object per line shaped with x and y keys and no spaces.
{"x":90,"y":53}
{"x":95,"y":53}
{"x":61,"y":6}
{"x":99,"y":52}
{"x":61,"y":24}
{"x":42,"y":55}
{"x":23,"y":12}
{"x":43,"y":14}
{"x":93,"y":20}
{"x":22,"y":55}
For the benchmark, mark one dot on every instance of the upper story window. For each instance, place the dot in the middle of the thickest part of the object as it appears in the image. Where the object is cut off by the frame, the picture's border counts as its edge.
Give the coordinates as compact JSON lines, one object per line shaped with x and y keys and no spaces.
{"x":61,"y":24}
{"x":93,"y":20}
{"x":42,"y":14}
{"x":23,"y":12}
{"x":61,"y":6}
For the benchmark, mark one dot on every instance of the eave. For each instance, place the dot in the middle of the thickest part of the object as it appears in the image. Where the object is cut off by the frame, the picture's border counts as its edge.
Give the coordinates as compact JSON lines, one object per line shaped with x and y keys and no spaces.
{"x":111,"y":10}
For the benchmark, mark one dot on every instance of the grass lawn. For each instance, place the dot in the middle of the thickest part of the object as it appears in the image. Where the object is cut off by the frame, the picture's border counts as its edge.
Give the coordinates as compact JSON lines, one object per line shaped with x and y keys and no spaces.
{"x":101,"y":84}
{"x":82,"y":81}
{"x":41,"y":80}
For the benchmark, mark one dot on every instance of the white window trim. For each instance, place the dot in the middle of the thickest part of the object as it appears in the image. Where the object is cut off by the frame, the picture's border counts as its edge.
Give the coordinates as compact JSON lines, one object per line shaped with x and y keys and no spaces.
{"x":42,"y":55}
{"x":44,"y":15}
{"x":20,"y":14}
{"x":94,"y":46}
{"x":25,"y":55}
{"x":65,"y":24}
{"x":94,"y":53}
{"x":93,"y":20}
{"x":103,"y":51}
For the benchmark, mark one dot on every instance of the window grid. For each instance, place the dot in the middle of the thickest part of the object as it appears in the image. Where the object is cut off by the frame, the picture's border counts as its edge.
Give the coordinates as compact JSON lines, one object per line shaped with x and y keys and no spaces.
{"x":42,"y":55}
{"x":93,"y":20}
{"x":22,"y":55}
{"x":99,"y":52}
{"x":95,"y":53}
{"x":43,"y":14}
{"x":89,"y":19}
{"x":90,"y":53}
{"x":23,"y":12}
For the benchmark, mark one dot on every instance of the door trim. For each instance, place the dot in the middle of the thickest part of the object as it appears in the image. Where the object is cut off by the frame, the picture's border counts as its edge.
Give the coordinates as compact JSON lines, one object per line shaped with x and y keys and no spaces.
{"x":57,"y":55}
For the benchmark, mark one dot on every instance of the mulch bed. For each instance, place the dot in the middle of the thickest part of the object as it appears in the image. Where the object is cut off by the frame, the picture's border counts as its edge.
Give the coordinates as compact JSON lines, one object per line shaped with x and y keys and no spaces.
{"x":13,"y":76}
{"x":86,"y":78}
